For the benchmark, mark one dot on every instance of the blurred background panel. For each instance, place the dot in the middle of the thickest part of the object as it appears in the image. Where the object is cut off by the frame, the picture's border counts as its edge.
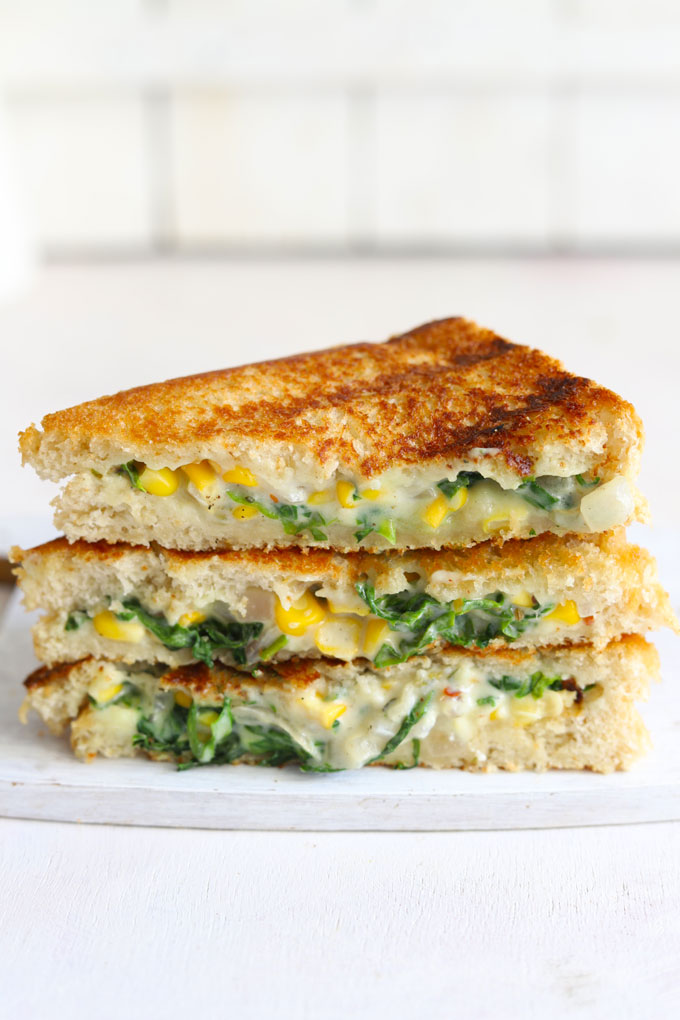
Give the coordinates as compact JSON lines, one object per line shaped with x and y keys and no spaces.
{"x":345,"y":126}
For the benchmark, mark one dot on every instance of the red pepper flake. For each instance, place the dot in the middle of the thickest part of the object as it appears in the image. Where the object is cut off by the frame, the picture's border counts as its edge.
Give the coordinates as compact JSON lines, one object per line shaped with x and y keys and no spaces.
{"x":451,"y":694}
{"x":273,"y":497}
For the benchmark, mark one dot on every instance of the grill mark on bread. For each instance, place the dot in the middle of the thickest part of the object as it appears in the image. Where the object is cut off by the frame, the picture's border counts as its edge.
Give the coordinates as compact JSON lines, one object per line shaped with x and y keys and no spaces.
{"x":436,"y":392}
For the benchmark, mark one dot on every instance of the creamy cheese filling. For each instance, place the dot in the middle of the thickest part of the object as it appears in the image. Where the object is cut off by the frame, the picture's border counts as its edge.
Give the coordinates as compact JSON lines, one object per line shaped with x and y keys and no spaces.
{"x":329,"y":725}
{"x":393,"y":506}
{"x":386,"y":629}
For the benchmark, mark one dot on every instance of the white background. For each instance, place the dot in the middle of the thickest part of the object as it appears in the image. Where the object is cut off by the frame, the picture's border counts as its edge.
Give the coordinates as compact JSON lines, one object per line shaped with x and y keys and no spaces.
{"x":538,"y":125}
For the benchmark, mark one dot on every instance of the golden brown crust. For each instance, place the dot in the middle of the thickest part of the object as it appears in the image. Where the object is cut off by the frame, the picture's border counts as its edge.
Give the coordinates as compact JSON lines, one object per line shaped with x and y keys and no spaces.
{"x":202,"y":680}
{"x":547,"y":552}
{"x":437,"y":392}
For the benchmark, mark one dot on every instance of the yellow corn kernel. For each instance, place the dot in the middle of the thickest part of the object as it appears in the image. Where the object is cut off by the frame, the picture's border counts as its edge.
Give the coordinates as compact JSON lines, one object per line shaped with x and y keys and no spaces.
{"x":304,"y":613}
{"x":494,"y":715}
{"x":325,"y":712}
{"x":330,"y":711}
{"x":109,"y":626}
{"x":107,"y":693}
{"x":240,"y":476}
{"x":435,"y":512}
{"x":494,"y":523}
{"x":374,"y":636}
{"x":195,"y":616}
{"x":339,"y":637}
{"x":565,"y":613}
{"x":201,"y":474}
{"x":183,"y":699}
{"x":317,"y":498}
{"x":345,"y":492}
{"x":244,"y":513}
{"x":359,"y":608}
{"x":526,"y":710}
{"x":208,"y":718}
{"x":523,"y":599}
{"x":458,"y":605}
{"x":371,"y":494}
{"x":459,"y":500}
{"x":159,"y":483}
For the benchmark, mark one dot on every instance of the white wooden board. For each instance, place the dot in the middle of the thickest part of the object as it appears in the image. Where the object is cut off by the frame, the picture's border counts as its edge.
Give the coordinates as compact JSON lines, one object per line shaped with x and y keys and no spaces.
{"x":39,"y":778}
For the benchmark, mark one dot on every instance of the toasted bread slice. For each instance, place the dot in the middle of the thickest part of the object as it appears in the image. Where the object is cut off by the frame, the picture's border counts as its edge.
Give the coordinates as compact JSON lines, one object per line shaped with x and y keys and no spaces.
{"x":570,"y":707}
{"x":382,"y":607}
{"x":444,"y":436}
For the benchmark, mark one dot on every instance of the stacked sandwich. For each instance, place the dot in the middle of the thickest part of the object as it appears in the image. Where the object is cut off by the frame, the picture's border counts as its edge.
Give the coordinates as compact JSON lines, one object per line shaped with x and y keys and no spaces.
{"x":402,"y":553}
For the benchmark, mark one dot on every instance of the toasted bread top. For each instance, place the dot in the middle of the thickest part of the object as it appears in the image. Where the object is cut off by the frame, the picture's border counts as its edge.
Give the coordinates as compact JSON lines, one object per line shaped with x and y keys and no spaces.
{"x":447,"y":392}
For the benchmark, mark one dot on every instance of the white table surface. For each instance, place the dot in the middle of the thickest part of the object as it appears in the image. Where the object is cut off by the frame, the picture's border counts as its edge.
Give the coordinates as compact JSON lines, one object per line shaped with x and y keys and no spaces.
{"x":105,"y":921}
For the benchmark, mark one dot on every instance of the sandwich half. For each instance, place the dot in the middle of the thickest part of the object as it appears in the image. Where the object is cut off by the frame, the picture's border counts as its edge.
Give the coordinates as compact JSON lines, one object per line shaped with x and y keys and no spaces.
{"x":137,"y":603}
{"x":554,"y":707}
{"x":443,"y":437}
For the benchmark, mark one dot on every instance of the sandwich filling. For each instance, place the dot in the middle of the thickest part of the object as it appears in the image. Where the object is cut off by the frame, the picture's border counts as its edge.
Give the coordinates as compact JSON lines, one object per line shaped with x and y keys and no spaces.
{"x":385,"y":629}
{"x":325,"y":726}
{"x":396,"y":509}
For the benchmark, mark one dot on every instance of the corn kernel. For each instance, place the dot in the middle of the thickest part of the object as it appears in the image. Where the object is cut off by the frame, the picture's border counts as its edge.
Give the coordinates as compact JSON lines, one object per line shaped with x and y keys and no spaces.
{"x":523,"y":599}
{"x":195,"y":616}
{"x":326,"y":712}
{"x":345,"y":492}
{"x":109,"y":626}
{"x":304,"y":613}
{"x":459,"y":500}
{"x":339,"y":637}
{"x":374,"y":637}
{"x":317,"y":498}
{"x":208,"y":718}
{"x":526,"y":710}
{"x":435,"y":512}
{"x":183,"y":699}
{"x":244,"y":513}
{"x":159,"y":483}
{"x":371,"y":494}
{"x":359,"y":608}
{"x":330,"y":711}
{"x":495,"y":522}
{"x":201,"y":474}
{"x":104,"y":694}
{"x":240,"y":476}
{"x":565,"y":613}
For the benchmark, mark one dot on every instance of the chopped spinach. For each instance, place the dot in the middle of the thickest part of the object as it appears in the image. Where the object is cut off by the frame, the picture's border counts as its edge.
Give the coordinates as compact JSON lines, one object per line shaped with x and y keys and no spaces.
{"x":415,"y":744}
{"x":130,"y":469}
{"x":537,"y":495}
{"x":274,"y":746}
{"x":294,"y":517}
{"x":270,"y":651}
{"x":127,"y":695}
{"x":425,"y":620}
{"x":204,"y":750}
{"x":204,"y":638}
{"x":489,"y":700}
{"x":76,"y":619}
{"x":536,"y":685}
{"x":380,"y":525}
{"x":408,"y":722}
{"x":463,"y":480}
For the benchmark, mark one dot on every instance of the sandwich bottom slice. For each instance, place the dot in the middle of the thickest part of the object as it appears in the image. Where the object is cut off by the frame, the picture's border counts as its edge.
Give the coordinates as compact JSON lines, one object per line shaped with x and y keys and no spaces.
{"x":567,"y":707}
